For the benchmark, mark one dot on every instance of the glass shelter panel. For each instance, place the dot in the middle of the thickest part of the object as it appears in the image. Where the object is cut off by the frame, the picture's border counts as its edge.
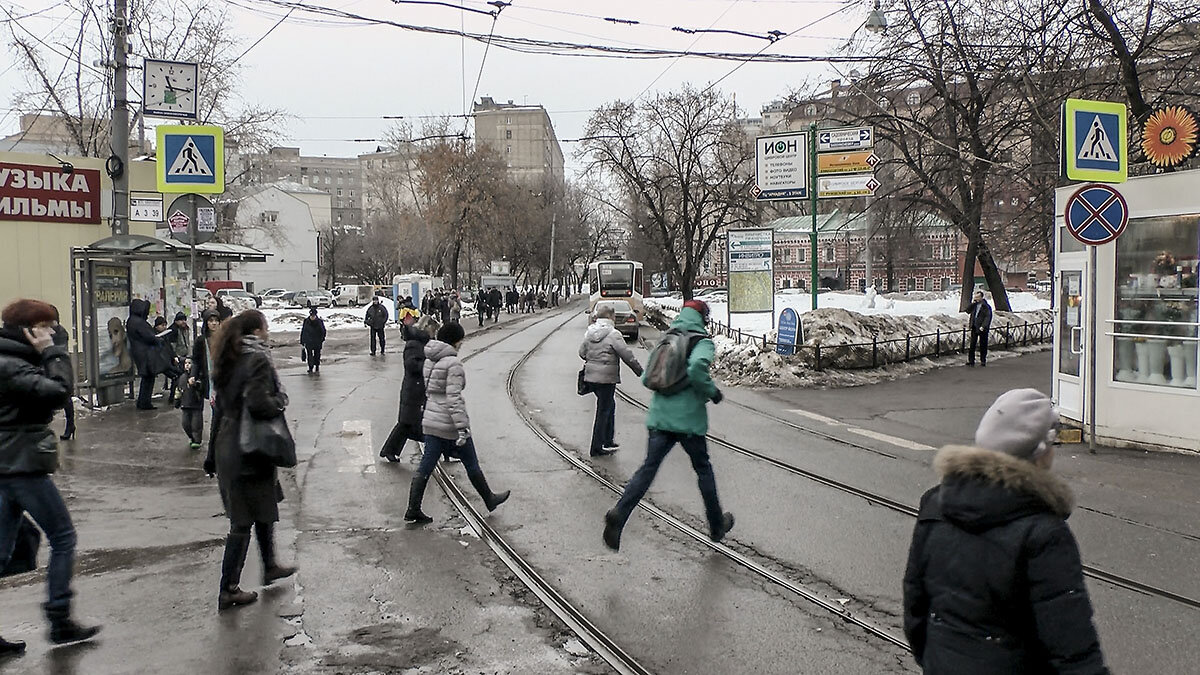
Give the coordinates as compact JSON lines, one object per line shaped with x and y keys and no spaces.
{"x":1155,"y":336}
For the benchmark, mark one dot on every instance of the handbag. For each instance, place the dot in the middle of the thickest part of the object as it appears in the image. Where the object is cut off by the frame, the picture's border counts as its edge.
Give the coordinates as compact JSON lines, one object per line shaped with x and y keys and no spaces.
{"x":270,"y":439}
{"x":304,"y":353}
{"x":24,"y":554}
{"x":583,"y":386}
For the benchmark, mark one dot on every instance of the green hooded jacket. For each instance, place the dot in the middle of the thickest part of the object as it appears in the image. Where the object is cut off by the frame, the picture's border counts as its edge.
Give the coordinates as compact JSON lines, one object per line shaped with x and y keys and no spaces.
{"x":685,"y":412}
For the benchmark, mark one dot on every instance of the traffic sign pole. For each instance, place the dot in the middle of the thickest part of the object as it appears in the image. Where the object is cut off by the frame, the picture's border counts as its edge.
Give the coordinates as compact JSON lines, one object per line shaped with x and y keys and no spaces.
{"x":1091,"y":402}
{"x":812,"y":200}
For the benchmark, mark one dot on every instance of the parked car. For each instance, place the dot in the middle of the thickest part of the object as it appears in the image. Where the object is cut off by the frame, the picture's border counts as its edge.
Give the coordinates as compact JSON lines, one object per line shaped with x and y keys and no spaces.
{"x":792,"y":291}
{"x":274,"y":297}
{"x":720,"y":295}
{"x":316,"y":298}
{"x":705,"y":292}
{"x":201,"y":294}
{"x":238,"y":300}
{"x":660,"y":293}
{"x":625,"y":320}
{"x":352,"y":295}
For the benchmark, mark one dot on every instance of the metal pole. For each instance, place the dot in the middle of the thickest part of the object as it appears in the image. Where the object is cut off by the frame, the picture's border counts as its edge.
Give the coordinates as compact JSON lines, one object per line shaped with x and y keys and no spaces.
{"x":812,"y":194}
{"x":193,"y":233}
{"x":867,"y":247}
{"x":120,"y":118}
{"x":1091,"y":402}
{"x":553,"y":224}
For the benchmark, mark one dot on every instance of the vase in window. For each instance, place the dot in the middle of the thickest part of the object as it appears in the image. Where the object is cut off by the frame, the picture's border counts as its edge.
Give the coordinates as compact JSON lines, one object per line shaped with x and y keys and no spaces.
{"x":1142,"y":353}
{"x":1156,"y":355}
{"x":1126,"y":365}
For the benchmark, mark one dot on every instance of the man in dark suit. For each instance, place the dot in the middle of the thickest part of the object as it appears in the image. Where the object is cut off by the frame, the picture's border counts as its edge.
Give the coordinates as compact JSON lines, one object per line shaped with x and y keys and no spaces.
{"x":981,"y":320}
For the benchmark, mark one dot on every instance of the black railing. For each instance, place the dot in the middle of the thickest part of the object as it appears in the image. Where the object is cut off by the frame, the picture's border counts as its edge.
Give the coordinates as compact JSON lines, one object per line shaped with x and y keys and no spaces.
{"x":897,"y":350}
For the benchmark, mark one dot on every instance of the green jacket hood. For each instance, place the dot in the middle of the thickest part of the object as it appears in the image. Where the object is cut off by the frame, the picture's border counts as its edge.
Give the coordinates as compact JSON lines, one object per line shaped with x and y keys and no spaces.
{"x":690,"y":321}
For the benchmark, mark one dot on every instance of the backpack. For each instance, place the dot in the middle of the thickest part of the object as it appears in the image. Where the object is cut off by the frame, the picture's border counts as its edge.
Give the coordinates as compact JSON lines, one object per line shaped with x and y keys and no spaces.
{"x":666,"y":368}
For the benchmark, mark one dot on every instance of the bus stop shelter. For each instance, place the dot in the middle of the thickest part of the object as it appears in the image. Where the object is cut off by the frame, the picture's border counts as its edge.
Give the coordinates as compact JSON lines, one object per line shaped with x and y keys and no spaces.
{"x":102,"y":289}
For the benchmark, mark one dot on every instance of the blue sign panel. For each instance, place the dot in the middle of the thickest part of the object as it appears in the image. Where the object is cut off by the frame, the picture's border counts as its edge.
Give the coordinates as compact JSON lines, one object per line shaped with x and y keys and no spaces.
{"x":789,"y":330}
{"x":1097,"y":137}
{"x":1096,"y":214}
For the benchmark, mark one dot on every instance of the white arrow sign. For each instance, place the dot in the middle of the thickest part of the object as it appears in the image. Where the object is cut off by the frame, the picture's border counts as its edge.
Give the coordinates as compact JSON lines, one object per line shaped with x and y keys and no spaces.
{"x":859,"y":185}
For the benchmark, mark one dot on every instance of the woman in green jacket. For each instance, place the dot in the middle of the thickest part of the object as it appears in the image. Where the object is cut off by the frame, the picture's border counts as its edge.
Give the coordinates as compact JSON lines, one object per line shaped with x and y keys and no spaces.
{"x":679,"y":417}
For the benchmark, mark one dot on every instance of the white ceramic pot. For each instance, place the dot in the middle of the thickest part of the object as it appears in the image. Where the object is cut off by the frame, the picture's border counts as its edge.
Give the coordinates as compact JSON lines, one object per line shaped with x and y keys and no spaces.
{"x":1189,"y":364}
{"x":1156,"y":351}
{"x":1175,"y":353}
{"x":1143,"y":362}
{"x":1126,"y":360}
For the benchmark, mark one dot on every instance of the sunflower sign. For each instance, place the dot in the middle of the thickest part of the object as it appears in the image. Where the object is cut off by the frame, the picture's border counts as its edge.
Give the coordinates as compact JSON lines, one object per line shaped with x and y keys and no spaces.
{"x":1169,"y":137}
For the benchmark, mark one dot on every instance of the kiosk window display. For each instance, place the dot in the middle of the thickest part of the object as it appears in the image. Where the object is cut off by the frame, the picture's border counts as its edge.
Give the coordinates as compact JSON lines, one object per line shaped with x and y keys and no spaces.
{"x":1155,"y":342}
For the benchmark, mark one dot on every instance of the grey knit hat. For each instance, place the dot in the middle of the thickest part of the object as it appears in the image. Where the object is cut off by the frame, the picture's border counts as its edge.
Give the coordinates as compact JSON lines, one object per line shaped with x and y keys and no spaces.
{"x":1020,"y":423}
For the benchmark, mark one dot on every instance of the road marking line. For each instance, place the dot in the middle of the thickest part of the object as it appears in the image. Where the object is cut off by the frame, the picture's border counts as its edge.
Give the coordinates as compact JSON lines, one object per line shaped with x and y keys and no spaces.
{"x":356,"y":441}
{"x":815,"y":416}
{"x":894,"y":440}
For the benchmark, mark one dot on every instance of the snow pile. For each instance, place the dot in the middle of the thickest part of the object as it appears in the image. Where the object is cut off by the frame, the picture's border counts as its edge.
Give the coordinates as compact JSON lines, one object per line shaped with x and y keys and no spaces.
{"x":853,"y":341}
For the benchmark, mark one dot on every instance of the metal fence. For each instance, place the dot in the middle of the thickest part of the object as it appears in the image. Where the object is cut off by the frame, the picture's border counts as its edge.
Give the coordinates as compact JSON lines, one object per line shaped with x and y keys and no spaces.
{"x":898,"y":350}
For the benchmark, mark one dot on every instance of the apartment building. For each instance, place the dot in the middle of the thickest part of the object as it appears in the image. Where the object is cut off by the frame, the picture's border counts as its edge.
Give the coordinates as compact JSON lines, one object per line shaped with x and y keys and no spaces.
{"x":524,"y":137}
{"x":339,"y":177}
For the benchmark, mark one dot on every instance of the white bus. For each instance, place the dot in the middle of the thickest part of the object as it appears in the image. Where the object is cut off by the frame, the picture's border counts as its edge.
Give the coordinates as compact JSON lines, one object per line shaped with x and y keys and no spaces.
{"x":617,"y":280}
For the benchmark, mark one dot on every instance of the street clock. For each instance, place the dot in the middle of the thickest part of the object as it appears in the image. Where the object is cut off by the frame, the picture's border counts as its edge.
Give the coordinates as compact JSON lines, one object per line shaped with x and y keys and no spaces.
{"x":169,"y":89}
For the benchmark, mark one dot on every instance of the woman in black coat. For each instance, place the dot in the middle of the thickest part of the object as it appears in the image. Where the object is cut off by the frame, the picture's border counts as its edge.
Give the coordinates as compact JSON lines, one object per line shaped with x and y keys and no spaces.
{"x":412,"y":391}
{"x":994,"y":583}
{"x":141,"y":342}
{"x":312,"y":338}
{"x":35,"y":382}
{"x":246,"y":380}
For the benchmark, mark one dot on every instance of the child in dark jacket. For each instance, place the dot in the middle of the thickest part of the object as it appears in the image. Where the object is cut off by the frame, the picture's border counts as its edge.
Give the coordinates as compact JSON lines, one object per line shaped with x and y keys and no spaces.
{"x":191,"y":403}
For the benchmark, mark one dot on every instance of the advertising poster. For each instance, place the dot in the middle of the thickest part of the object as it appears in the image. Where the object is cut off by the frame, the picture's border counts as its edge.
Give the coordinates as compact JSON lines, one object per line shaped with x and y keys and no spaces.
{"x":111,"y":307}
{"x":751,"y":271}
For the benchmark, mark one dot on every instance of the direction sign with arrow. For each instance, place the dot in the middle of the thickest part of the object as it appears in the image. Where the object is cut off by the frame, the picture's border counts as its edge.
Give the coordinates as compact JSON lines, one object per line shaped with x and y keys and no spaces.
{"x":846,"y":162}
{"x":845,"y":138}
{"x":853,"y":185}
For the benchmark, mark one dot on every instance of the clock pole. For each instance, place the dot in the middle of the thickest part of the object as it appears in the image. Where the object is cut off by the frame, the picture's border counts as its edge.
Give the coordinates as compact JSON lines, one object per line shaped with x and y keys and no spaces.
{"x":118,"y":165}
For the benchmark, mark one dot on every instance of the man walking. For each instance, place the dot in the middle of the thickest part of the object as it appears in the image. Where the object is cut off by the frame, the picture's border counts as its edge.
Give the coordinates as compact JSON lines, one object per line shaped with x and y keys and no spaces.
{"x":678,"y":416}
{"x":981,"y":320}
{"x":376,"y":319}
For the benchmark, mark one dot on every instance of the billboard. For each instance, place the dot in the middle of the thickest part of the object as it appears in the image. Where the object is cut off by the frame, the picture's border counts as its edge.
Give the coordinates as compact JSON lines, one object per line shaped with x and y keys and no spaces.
{"x":751,"y":271}
{"x":110,"y":309}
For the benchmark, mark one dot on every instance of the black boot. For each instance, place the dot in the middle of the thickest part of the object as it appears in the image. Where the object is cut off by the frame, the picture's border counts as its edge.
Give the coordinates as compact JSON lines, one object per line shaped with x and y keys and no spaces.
{"x":64,"y":630}
{"x":415,"y":494}
{"x":236,"y":546}
{"x":11,"y":648}
{"x":393,"y":445}
{"x":718,"y":531}
{"x":491,"y":499}
{"x":612,"y":530}
{"x":272,"y":570}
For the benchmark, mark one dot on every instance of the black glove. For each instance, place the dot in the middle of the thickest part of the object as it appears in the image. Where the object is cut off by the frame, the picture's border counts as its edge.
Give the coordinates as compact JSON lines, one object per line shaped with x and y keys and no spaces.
{"x":718,"y":397}
{"x":210,"y":466}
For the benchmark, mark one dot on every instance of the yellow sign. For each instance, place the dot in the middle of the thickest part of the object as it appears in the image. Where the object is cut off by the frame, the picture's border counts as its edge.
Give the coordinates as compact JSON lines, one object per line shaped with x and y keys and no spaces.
{"x":846,"y":162}
{"x":1095,"y":141}
{"x":191,"y":159}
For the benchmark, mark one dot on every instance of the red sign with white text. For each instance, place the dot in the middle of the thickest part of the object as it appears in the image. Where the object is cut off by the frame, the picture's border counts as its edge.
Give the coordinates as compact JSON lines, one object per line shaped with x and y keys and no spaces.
{"x":46,"y":194}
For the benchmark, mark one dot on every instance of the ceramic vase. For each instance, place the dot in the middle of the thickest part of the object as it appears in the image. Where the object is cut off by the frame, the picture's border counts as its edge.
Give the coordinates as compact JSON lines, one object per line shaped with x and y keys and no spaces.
{"x":1143,"y":362}
{"x":1126,"y":360}
{"x":1175,"y":353}
{"x":1189,"y":364}
{"x":1156,"y":351}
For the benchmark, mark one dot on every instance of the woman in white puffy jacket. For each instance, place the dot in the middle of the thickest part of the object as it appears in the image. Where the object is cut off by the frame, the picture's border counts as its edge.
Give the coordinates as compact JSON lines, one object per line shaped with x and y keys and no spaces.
{"x":445,"y":423}
{"x":602,"y":350}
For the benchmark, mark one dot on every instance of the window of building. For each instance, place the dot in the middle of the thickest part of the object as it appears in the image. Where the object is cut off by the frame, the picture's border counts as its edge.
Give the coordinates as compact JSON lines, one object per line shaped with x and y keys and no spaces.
{"x":921,"y":283}
{"x":339,"y":192}
{"x":352,"y":193}
{"x":910,"y":284}
{"x":268,"y":217}
{"x":508,"y":133}
{"x":830,"y":253}
{"x":327,"y":180}
{"x":507,"y":149}
{"x":1156,"y":302}
{"x":913,"y":98}
{"x":508,"y":120}
{"x":810,"y":110}
{"x":862,"y":285}
{"x":801,"y":254}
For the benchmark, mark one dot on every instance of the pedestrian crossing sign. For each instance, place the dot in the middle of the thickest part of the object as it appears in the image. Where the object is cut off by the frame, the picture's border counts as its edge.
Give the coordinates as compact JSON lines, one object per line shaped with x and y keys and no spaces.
{"x":1095,"y":142}
{"x":191,"y":159}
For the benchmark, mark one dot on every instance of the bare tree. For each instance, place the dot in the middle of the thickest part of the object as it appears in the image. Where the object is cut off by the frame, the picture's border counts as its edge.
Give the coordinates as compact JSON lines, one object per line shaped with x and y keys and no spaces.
{"x":686,"y":164}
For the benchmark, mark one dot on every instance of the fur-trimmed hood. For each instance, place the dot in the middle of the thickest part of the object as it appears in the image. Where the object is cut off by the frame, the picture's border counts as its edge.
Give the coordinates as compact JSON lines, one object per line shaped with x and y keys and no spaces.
{"x":982,"y":489}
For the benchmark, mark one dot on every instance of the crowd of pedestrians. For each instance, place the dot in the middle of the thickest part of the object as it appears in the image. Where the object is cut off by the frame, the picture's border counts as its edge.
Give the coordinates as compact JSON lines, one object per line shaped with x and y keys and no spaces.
{"x":994,"y":580}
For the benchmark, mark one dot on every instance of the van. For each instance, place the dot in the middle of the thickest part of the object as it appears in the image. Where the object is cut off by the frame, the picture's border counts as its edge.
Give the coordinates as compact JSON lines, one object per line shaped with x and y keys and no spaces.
{"x":352,"y":295}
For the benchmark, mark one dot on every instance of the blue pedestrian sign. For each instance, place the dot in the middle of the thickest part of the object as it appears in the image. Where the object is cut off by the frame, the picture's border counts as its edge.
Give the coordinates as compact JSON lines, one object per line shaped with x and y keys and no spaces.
{"x":789,"y":331}
{"x":1094,"y":143}
{"x":191,"y":159}
{"x":1096,"y":214}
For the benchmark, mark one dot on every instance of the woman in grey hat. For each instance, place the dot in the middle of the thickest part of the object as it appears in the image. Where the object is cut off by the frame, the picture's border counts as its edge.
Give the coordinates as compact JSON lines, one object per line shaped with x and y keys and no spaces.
{"x":994,"y":582}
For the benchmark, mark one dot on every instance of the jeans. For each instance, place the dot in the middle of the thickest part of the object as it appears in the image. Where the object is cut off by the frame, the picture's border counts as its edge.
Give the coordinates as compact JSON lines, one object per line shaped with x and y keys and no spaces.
{"x":659,"y":445}
{"x":314,"y":359}
{"x":435,"y":446}
{"x":980,"y":337}
{"x":377,"y":332}
{"x":604,"y":426}
{"x":145,"y":391}
{"x":37,"y":496}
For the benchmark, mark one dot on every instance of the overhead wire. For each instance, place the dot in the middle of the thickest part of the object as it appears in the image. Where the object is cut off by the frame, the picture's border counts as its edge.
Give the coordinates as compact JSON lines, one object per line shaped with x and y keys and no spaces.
{"x":689,"y":49}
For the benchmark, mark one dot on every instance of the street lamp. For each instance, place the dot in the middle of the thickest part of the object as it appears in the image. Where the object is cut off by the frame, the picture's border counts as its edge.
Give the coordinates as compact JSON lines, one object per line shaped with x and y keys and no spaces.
{"x":876,"y":21}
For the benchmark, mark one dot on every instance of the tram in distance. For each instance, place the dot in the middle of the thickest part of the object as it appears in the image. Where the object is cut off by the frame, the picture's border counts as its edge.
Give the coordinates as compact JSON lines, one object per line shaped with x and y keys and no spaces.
{"x":617,"y":280}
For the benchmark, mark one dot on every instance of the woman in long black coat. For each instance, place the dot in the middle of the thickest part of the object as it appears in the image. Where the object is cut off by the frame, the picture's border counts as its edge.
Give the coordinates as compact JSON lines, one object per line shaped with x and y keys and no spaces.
{"x":245,"y":379}
{"x":412,"y":391}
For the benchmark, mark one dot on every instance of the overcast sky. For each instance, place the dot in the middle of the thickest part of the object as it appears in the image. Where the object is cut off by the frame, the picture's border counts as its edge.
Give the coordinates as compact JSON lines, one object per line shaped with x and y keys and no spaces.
{"x":339,"y":78}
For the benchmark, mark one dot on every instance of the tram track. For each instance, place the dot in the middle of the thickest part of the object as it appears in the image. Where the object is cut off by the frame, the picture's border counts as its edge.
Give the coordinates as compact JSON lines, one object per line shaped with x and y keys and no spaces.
{"x":744,"y":561}
{"x":603,"y":645}
{"x":870,"y":497}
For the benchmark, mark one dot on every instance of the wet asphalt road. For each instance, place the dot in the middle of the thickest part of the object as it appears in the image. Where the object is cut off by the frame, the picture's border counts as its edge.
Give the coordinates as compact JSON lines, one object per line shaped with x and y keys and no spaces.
{"x":375,"y":595}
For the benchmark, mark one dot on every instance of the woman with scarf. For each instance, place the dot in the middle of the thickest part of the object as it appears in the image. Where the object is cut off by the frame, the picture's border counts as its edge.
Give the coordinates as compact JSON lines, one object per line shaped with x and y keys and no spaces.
{"x":246,"y":382}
